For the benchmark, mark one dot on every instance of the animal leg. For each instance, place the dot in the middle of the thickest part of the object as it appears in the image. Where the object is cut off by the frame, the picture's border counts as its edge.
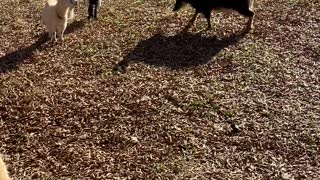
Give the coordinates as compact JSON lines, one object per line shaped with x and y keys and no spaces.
{"x":71,"y":13}
{"x":96,"y":6}
{"x":52,"y":36}
{"x":250,"y":23}
{"x":60,"y":32}
{"x":251,"y":4}
{"x":95,"y":11}
{"x":90,"y":11}
{"x":191,"y":21}
{"x":248,"y":13}
{"x":60,"y":37}
{"x":207,"y":16}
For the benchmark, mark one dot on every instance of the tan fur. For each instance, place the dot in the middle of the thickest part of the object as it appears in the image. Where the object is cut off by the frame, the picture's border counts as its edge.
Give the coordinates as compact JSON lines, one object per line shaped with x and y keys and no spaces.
{"x":55,"y":16}
{"x":3,"y":171}
{"x":251,"y":19}
{"x":251,"y":5}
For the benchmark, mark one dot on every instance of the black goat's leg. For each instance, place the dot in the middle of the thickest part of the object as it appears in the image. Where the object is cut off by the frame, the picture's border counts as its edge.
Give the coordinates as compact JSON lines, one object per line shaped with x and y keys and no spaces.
{"x":95,"y":10}
{"x":207,"y":15}
{"x":191,"y":22}
{"x":250,"y":23}
{"x":251,"y":19}
{"x":250,"y":14}
{"x":90,"y":11}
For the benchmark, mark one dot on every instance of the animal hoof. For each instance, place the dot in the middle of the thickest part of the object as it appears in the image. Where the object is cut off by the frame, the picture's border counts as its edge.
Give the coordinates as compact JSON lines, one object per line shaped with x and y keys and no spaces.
{"x":235,"y":128}
{"x":53,"y":40}
{"x":119,"y":70}
{"x":184,"y":30}
{"x":248,"y":28}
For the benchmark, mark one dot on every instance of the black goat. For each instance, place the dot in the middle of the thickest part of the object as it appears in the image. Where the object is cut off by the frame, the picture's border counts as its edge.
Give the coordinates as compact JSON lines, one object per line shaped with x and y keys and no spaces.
{"x":244,"y":7}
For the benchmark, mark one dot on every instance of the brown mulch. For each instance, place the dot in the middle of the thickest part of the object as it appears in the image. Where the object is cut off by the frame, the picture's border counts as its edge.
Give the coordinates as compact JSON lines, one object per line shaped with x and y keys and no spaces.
{"x":130,"y":97}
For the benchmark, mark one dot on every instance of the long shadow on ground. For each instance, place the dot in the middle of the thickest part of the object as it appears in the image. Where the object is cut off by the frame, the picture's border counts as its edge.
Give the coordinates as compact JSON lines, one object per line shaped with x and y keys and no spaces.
{"x":177,"y":52}
{"x":11,"y":61}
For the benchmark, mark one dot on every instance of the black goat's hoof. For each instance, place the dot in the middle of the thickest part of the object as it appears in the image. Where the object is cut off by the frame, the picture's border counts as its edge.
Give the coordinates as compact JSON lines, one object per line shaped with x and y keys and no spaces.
{"x":235,"y":129}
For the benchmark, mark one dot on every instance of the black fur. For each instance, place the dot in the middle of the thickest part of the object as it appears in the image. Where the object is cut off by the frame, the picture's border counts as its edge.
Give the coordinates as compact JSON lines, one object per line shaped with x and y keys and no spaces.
{"x":206,"y":6}
{"x":92,"y":9}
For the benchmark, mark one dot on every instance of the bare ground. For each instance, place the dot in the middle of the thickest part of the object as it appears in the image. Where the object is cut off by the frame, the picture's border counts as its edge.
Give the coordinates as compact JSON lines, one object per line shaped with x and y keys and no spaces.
{"x":129,"y":97}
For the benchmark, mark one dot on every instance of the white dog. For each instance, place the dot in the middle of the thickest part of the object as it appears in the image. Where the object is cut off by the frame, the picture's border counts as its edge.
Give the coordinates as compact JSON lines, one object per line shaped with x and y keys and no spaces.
{"x":55,"y":16}
{"x":3,"y":171}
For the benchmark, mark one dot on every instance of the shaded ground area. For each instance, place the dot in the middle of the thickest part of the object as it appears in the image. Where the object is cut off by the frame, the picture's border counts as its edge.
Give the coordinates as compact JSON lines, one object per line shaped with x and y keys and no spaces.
{"x":178,"y":51}
{"x":66,"y":114}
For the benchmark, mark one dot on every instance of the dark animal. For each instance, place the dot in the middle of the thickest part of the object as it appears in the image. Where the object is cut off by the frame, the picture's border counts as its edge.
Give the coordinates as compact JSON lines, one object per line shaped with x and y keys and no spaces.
{"x":244,"y":7}
{"x":93,"y":8}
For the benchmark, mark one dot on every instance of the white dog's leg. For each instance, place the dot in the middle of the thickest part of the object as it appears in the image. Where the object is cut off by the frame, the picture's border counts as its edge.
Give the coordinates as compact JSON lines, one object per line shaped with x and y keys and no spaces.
{"x":71,"y":13}
{"x":60,"y":31}
{"x":52,"y":36}
{"x":60,"y":36}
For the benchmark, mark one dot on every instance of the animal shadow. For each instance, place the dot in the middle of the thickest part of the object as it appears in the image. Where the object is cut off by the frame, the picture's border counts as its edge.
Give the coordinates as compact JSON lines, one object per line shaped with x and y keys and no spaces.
{"x":177,"y":52}
{"x":11,"y":61}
